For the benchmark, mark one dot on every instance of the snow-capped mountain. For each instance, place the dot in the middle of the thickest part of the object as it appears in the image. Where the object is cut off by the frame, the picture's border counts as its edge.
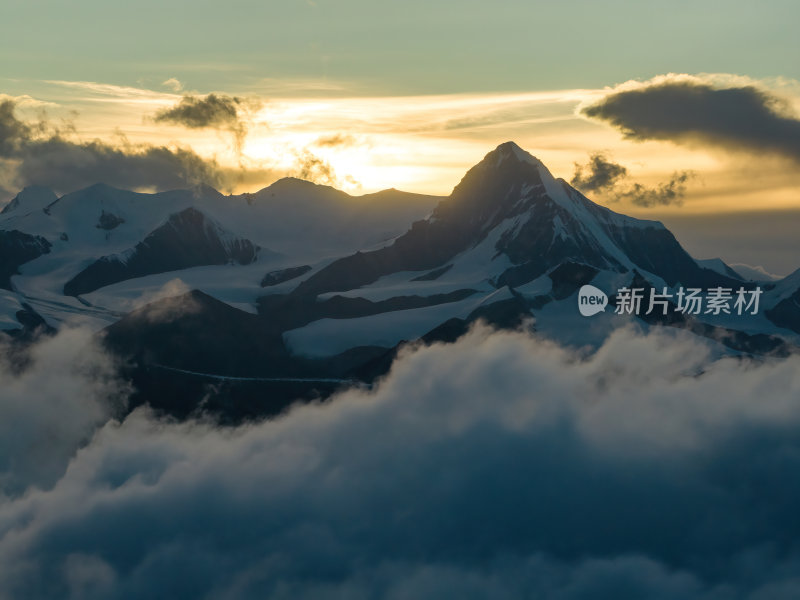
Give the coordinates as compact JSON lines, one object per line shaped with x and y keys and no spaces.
{"x":304,"y":283}
{"x":510,"y":205}
{"x":188,"y":239}
{"x":511,"y":240}
{"x":97,"y":252}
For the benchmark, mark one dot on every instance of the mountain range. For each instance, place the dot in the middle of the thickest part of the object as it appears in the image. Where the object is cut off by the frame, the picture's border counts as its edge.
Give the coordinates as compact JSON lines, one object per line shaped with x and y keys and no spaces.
{"x":251,"y":301}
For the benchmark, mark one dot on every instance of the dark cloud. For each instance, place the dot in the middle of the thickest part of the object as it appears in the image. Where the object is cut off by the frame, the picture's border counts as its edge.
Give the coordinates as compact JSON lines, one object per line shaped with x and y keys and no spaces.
{"x":216,"y":111}
{"x":690,"y":112}
{"x":498,"y":467}
{"x":598,"y":175}
{"x":335,"y":140}
{"x":664,"y":194}
{"x":43,"y":154}
{"x":63,"y":164}
{"x":12,"y":130}
{"x":603,"y":176}
{"x":199,"y":112}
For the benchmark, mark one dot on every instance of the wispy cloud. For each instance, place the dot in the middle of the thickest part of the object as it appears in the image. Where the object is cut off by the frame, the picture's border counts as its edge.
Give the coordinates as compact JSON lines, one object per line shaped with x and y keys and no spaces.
{"x":172,"y":83}
{"x":115,"y":93}
{"x":336,"y":140}
{"x":423,"y":113}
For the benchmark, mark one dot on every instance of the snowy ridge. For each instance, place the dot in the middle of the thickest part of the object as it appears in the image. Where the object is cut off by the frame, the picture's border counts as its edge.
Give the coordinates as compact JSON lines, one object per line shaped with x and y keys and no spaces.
{"x":751,"y":273}
{"x":30,"y":199}
{"x":297,"y":221}
{"x":359,"y":274}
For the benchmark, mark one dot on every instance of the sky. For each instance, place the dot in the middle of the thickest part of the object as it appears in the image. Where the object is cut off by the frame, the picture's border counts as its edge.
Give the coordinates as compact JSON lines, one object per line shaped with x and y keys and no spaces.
{"x":413,"y":47}
{"x":370,"y":95}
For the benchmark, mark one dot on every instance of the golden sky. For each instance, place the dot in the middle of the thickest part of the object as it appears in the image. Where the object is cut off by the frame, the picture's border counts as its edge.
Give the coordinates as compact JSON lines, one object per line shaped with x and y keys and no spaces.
{"x":419,"y":143}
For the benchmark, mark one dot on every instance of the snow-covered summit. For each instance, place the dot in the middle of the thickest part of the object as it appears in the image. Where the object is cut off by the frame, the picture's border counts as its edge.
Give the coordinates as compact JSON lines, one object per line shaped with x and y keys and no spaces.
{"x":510,"y":150}
{"x":31,"y":198}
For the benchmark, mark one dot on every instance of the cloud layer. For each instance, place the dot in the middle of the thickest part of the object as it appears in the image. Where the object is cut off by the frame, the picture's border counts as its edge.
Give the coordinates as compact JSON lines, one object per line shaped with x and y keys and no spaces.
{"x":501,"y":466}
{"x":694,"y":112}
{"x":50,"y":408}
{"x":603,"y":176}
{"x":42,"y":154}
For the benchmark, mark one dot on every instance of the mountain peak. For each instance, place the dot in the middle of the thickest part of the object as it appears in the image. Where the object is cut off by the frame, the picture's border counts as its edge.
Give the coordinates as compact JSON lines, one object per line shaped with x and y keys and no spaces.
{"x":506,"y":166}
{"x":205,"y":190}
{"x":492,"y":190}
{"x":295,"y":186}
{"x":32,"y":197}
{"x":511,"y":150}
{"x":100,"y":188}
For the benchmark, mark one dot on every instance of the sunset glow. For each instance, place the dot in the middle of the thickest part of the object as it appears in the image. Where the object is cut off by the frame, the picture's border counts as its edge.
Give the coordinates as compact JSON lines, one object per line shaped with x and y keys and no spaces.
{"x":416,"y":143}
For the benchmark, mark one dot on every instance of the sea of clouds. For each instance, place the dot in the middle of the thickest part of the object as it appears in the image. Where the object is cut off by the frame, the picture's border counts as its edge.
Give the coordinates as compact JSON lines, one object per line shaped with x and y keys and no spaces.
{"x":501,"y":466}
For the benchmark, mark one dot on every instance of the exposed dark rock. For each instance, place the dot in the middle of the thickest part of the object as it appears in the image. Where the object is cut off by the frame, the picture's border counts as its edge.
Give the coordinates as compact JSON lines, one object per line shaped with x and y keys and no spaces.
{"x":290,"y":311}
{"x":17,"y":248}
{"x":568,"y":277}
{"x":199,"y":333}
{"x":187,"y":239}
{"x":109,"y":221}
{"x":193,"y":354}
{"x":657,"y":251}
